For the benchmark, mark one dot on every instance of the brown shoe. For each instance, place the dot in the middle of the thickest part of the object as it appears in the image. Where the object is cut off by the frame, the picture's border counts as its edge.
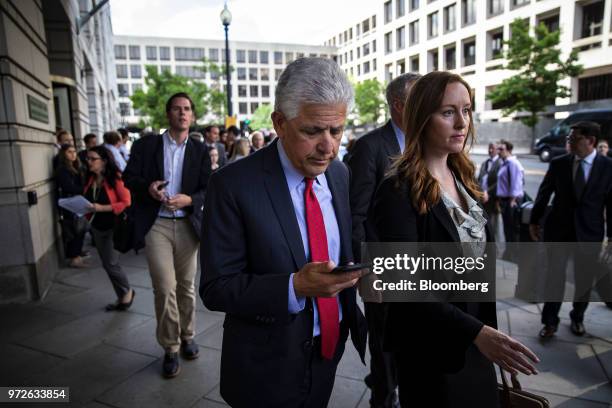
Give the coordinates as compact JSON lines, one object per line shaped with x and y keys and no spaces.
{"x":77,"y":262}
{"x":548,"y":331}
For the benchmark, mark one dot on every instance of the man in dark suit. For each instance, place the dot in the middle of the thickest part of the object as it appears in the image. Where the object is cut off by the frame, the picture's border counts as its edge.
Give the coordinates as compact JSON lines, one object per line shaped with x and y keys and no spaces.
{"x":369,"y":160}
{"x":487,"y":179}
{"x":167,"y":175}
{"x":582,"y":184}
{"x":211,"y":138}
{"x":275,"y":224}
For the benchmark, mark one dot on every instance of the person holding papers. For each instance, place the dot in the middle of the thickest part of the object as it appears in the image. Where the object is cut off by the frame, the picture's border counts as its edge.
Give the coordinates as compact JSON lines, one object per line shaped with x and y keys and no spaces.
{"x":109,"y":197}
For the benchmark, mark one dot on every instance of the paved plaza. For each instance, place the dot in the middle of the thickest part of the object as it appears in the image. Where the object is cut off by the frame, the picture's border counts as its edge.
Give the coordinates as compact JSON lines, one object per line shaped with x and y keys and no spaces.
{"x":113,"y":360}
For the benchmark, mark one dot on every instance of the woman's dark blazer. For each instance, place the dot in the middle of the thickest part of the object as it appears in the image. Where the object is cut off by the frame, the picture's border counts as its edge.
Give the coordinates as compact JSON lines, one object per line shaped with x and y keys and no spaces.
{"x":433,"y":336}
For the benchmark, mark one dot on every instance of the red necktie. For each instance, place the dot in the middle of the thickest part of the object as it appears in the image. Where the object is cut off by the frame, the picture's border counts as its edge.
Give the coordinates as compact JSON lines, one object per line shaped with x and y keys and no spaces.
{"x":317,"y":240}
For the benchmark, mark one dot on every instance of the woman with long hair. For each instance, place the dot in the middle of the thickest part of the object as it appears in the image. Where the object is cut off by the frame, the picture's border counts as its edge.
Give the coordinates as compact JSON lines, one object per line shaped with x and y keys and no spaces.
{"x":69,"y":182}
{"x":241,"y":149}
{"x":109,"y":197}
{"x":444,"y":352}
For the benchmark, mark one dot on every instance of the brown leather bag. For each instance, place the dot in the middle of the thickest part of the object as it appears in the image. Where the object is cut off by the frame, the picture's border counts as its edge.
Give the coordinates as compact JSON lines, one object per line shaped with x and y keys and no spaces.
{"x":515,"y":397}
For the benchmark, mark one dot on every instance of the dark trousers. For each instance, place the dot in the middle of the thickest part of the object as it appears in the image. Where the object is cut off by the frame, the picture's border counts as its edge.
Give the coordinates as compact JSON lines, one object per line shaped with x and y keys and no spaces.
{"x":509,"y":219}
{"x":383,"y":376}
{"x":586,"y":269}
{"x":72,"y":237}
{"x":110,"y":261}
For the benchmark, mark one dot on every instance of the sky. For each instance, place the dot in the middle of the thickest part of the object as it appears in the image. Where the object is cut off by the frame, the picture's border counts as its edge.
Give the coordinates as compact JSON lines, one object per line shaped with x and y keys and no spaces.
{"x":284,"y":21}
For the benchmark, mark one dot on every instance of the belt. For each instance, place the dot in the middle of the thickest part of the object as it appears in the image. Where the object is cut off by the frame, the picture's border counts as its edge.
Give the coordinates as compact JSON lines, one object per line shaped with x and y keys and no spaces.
{"x":172,"y":218}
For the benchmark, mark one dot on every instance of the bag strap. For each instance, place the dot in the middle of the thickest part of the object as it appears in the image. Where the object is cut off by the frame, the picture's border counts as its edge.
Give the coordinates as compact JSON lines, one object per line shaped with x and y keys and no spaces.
{"x":516,"y":385}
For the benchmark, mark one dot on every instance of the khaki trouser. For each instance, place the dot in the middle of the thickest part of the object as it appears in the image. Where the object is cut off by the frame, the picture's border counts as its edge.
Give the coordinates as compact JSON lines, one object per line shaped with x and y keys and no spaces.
{"x":171,"y":250}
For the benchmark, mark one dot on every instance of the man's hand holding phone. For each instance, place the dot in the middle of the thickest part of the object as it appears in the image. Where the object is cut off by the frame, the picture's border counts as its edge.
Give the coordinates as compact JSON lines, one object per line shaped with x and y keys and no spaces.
{"x":157,"y":190}
{"x":317,"y":279}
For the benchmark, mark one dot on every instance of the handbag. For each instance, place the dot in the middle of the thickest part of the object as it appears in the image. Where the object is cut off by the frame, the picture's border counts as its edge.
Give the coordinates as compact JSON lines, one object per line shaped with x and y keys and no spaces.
{"x":123,"y":232}
{"x":515,"y":397}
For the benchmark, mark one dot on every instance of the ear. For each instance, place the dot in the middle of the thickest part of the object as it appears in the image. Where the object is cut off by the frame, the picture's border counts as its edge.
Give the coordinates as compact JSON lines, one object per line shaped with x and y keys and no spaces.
{"x":279,"y":121}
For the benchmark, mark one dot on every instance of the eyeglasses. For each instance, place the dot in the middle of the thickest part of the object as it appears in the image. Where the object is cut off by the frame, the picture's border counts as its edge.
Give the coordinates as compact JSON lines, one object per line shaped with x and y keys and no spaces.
{"x":92,"y":159}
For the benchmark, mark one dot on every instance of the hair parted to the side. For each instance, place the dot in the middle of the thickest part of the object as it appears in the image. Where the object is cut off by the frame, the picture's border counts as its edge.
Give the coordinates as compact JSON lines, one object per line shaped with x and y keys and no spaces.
{"x":424,"y":99}
{"x":311,"y":81}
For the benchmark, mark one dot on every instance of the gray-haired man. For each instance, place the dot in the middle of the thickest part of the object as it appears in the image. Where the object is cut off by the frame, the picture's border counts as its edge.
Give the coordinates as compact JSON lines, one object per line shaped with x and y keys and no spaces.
{"x":287,"y":316}
{"x":369,"y":161}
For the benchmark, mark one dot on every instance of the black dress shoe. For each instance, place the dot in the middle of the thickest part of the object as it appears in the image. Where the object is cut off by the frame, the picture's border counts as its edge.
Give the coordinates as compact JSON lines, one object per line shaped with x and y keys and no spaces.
{"x":609,"y":304}
{"x":118,"y":306}
{"x":190,"y":349}
{"x":548,"y":331}
{"x":577,"y":328}
{"x":171,"y":367}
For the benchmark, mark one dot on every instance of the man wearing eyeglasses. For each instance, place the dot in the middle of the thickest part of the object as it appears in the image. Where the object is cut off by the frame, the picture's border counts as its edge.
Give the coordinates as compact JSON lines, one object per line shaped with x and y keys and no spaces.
{"x":510,"y":189}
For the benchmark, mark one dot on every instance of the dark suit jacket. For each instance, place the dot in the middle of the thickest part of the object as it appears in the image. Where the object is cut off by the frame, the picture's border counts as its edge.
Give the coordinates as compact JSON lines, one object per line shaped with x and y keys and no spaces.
{"x":435,"y":336}
{"x":369,"y":160}
{"x":146,"y":165}
{"x":575,"y":218}
{"x":251,"y":243}
{"x":491,"y":176}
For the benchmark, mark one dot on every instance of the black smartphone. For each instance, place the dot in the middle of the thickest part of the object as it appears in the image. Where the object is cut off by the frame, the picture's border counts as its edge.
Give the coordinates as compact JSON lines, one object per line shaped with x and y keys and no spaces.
{"x":350,"y":268}
{"x":161,"y":186}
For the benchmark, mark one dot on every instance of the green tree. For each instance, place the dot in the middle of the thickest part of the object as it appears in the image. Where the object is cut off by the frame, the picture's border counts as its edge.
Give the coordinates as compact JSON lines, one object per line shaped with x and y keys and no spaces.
{"x":217,"y":99}
{"x":539,"y":68}
{"x":261,"y":117}
{"x":368,"y":100}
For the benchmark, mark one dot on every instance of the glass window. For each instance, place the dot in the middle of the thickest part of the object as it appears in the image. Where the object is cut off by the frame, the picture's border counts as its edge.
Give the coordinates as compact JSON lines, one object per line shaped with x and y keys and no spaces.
{"x":374,"y":46}
{"x":242,"y":108}
{"x":388,"y":44}
{"x":241,"y":73}
{"x":414,"y":4}
{"x":240,"y":56}
{"x":263,"y":57}
{"x":123,"y":90}
{"x":254,"y":106}
{"x":450,"y":18}
{"x":414,"y":32}
{"x":374,"y":21}
{"x":264,"y":74}
{"x":164,"y":53}
{"x":469,"y":11}
{"x":496,"y":7}
{"x":254,"y":90}
{"x":365,"y":25}
{"x":299,"y":55}
{"x":366,"y":49}
{"x":134,"y":52}
{"x":151,"y":53}
{"x":166,"y":68}
{"x":288,"y":57}
{"x":400,"y":8}
{"x":120,"y":53}
{"x":432,"y":22}
{"x":253,"y":74}
{"x":433,"y":60}
{"x":366,"y":67}
{"x":497,"y":43}
{"x":252,"y":57}
{"x":136,"y":87}
{"x":277,"y":74}
{"x":278,"y":57}
{"x":469,"y":52}
{"x":135,"y":71}
{"x":124,"y":109}
{"x":388,"y":12}
{"x":414,"y":64}
{"x":121,"y":71}
{"x":213,"y":54}
{"x":400,"y":38}
{"x":188,"y":54}
{"x":265,"y":91}
{"x":450,"y":57}
{"x":592,"y":19}
{"x":242,"y":90}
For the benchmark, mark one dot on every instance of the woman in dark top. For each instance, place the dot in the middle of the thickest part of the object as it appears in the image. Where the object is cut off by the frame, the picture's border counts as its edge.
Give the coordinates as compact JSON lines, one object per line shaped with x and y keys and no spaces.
{"x":69,"y":182}
{"x":109,"y":197}
{"x":443,"y":351}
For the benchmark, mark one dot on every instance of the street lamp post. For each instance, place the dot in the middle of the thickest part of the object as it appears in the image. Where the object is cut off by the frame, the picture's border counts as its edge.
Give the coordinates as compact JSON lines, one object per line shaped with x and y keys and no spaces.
{"x":226,"y":19}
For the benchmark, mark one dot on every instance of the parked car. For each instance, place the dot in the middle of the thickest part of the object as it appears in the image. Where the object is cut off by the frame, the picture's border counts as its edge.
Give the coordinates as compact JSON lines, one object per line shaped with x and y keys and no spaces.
{"x":552,"y":144}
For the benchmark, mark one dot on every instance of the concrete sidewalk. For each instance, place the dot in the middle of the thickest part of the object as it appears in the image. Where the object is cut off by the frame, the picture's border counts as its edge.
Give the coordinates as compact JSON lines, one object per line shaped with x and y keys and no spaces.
{"x":113,"y":359}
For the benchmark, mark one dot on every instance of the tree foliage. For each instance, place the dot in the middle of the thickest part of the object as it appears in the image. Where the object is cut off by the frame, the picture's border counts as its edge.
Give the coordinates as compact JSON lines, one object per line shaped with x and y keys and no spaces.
{"x":539,"y":68}
{"x":160,"y":86}
{"x":261,"y":117}
{"x":368,"y":100}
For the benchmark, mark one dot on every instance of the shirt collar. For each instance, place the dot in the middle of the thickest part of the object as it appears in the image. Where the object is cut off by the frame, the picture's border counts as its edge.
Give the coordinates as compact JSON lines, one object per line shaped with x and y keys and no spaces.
{"x":589,"y":159}
{"x":293,"y":176}
{"x":170,"y":140}
{"x":399,"y":134}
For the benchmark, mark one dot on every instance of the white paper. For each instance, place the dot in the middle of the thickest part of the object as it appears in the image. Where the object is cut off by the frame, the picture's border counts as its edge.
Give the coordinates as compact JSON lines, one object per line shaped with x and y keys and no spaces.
{"x":77,"y":204}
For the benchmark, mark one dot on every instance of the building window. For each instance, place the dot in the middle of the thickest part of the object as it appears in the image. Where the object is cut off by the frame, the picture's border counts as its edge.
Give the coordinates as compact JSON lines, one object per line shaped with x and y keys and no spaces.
{"x":252,"y":57}
{"x":400,"y":67}
{"x":241,"y":73}
{"x":299,"y":55}
{"x":190,"y":71}
{"x":388,"y":44}
{"x":242,"y":91}
{"x":123,"y":90}
{"x":213,"y":54}
{"x":496,"y":7}
{"x":552,"y":23}
{"x":351,"y":54}
{"x":263,"y":57}
{"x":134,"y":52}
{"x":358,"y":52}
{"x":254,"y":106}
{"x":432,"y":25}
{"x":240,"y":56}
{"x":468,"y":8}
{"x":188,"y":54}
{"x":374,"y":64}
{"x":366,"y":67}
{"x":358,"y":69}
{"x":414,"y":32}
{"x":164,"y":53}
{"x":374,"y":46}
{"x":264,"y":74}
{"x":278,"y":57}
{"x":374,"y":21}
{"x":288,"y":57}
{"x":165,"y":68}
{"x":450,"y":57}
{"x":151,"y":52}
{"x":136,"y":87}
{"x":450,"y":18}
{"x":592,"y":19}
{"x":400,"y":38}
{"x":121,"y":71}
{"x":124,"y":109}
{"x":497,"y":43}
{"x":277,"y":74}
{"x":414,"y":4}
{"x":242,"y":108}
{"x":595,"y":87}
{"x":366,"y":49}
{"x":518,"y":3}
{"x":469,"y":52}
{"x":214,"y":75}
{"x":254,"y":90}
{"x":414,"y":64}
{"x":365,"y":26}
{"x":400,"y":8}
{"x":433,"y":60}
{"x":388,"y":12}
{"x":135,"y":71}
{"x":252,"y":74}
{"x":265,"y":91}
{"x":120,"y":52}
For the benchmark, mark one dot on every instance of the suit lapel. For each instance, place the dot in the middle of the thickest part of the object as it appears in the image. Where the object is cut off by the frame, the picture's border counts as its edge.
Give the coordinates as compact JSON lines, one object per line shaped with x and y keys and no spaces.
{"x":159,"y":157}
{"x":390,"y":139}
{"x":188,"y":159}
{"x":276,"y":187}
{"x":595,"y":173}
{"x":341,"y":209}
{"x":441,"y":213}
